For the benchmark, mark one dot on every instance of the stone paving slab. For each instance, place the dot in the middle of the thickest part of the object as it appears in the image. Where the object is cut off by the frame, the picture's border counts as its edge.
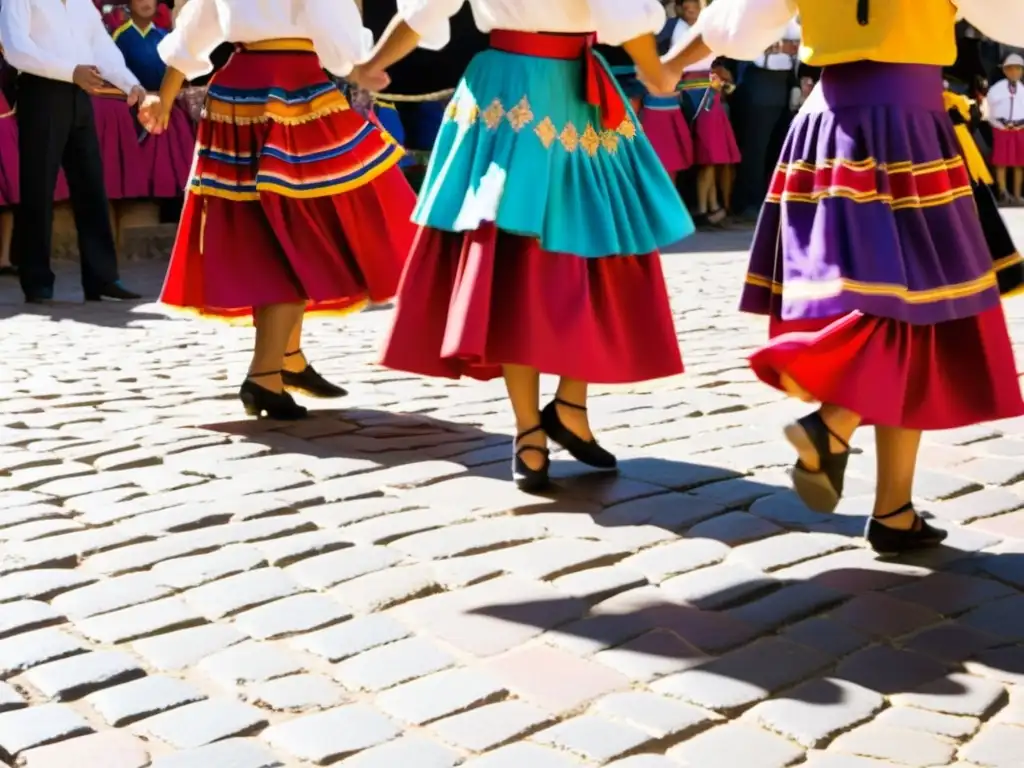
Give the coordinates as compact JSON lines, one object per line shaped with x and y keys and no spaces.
{"x":181,"y":586}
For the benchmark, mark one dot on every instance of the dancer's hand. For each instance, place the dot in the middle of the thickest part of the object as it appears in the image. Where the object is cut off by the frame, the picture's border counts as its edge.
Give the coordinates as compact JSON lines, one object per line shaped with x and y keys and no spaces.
{"x":153,"y":114}
{"x":664,"y":84}
{"x":136,"y":95}
{"x":369,"y":79}
{"x":87,"y":78}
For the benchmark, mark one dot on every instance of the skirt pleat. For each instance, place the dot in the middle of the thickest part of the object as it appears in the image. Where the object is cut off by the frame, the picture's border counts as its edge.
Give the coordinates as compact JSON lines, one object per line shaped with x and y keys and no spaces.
{"x":1008,"y":147}
{"x":663,"y":122}
{"x":168,"y":156}
{"x":894,"y":374}
{"x":880,"y":264}
{"x":124,"y":169}
{"x":471,"y":302}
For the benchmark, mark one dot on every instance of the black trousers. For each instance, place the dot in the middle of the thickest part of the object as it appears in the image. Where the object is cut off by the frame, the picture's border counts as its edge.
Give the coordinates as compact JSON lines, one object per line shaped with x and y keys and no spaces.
{"x":765,"y":102}
{"x":56,"y":129}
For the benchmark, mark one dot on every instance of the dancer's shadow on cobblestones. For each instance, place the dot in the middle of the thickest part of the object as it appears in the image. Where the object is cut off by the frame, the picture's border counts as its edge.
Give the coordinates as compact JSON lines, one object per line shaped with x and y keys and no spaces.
{"x":842,"y":636}
{"x":423,"y":449}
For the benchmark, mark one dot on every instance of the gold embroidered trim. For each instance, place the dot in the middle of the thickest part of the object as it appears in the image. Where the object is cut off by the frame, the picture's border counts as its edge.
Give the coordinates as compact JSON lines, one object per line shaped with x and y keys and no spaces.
{"x":589,"y":139}
{"x":216,"y":115}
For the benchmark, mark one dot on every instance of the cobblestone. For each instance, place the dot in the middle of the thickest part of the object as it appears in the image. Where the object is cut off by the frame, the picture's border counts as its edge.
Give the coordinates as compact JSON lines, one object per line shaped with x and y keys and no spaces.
{"x":491,"y":725}
{"x":74,"y":677}
{"x":333,"y":734}
{"x":202,"y":723}
{"x":124,"y":704}
{"x":367,"y":587}
{"x":440,"y":695}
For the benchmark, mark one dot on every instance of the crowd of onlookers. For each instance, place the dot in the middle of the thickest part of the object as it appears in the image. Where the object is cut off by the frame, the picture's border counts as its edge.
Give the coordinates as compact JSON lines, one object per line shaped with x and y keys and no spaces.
{"x":719,"y":136}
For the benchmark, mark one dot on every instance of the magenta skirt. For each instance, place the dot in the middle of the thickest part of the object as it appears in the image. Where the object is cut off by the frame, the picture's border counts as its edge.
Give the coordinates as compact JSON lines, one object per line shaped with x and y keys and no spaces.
{"x":167,"y":157}
{"x":714,"y":141}
{"x":124,"y":169}
{"x":666,"y":129}
{"x":1008,"y":147}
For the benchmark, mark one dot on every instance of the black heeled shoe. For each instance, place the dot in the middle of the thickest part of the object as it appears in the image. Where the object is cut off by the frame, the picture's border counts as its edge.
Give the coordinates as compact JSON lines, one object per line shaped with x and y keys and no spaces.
{"x":526,"y":478}
{"x":309,"y":382}
{"x":890,"y":542}
{"x":258,"y":400}
{"x":820,"y":490}
{"x":585,"y":451}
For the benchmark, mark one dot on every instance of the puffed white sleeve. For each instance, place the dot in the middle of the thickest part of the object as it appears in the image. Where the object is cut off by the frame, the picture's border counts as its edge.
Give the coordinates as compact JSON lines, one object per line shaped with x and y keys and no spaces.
{"x":619,"y":21}
{"x":108,"y":57}
{"x":21,"y":51}
{"x":197,"y":31}
{"x":336,"y":29}
{"x":430,"y":19}
{"x":1002,"y":20}
{"x":743,"y":29}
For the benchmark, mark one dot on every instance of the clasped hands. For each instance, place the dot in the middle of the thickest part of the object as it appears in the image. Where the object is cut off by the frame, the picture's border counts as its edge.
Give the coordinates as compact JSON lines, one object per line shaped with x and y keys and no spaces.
{"x":665,"y":83}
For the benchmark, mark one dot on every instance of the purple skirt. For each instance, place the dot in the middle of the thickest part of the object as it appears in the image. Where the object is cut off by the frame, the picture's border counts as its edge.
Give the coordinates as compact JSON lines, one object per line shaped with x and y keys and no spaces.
{"x":871,"y":207}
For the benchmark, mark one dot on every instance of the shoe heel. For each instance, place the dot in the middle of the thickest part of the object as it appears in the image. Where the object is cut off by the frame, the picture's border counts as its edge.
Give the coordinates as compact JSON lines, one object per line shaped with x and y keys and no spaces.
{"x":257,"y":400}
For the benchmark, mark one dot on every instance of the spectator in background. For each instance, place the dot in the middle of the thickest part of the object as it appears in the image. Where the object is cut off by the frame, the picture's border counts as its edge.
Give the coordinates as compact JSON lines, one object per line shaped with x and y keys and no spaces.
{"x":167,"y":158}
{"x":1006,"y":115}
{"x":119,"y":14}
{"x":63,"y":54}
{"x":713,"y":139}
{"x":763,"y":98}
{"x":137,"y":38}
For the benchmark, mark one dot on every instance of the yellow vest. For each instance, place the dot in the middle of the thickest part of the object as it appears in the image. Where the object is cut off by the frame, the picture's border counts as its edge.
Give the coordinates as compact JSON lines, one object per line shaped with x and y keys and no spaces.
{"x":893,"y":31}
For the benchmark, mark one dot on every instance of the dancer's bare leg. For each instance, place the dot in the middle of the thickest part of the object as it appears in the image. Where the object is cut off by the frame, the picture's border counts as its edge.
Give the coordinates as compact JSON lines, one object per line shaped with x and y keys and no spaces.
{"x":295,"y":360}
{"x":896,"y":450}
{"x":574,"y":391}
{"x":274,"y":326}
{"x":523,"y":385}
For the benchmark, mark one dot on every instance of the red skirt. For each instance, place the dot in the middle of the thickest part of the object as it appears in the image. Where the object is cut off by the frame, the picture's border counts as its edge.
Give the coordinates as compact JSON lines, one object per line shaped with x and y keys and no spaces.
{"x":471,"y":302}
{"x":1008,"y":147}
{"x":926,"y":377}
{"x":167,"y":157}
{"x":294,"y":196}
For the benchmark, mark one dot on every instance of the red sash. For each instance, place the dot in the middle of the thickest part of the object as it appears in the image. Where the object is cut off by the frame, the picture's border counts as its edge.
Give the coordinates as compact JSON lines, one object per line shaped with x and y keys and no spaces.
{"x":599,"y":88}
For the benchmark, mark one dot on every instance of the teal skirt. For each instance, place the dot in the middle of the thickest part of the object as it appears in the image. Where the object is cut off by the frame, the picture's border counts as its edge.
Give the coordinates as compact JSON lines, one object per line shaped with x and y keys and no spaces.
{"x":539,"y":236}
{"x":520,"y":148}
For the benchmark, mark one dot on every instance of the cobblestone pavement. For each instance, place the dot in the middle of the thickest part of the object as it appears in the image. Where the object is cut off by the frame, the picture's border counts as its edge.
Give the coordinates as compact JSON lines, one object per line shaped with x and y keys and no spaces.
{"x":183,"y":588}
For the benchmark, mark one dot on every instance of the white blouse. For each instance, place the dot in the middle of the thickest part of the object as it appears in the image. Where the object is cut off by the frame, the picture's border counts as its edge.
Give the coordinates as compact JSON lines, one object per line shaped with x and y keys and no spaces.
{"x":678,"y":36}
{"x":334,"y":26}
{"x":743,"y":29}
{"x":614,"y":21}
{"x":1004,"y":104}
